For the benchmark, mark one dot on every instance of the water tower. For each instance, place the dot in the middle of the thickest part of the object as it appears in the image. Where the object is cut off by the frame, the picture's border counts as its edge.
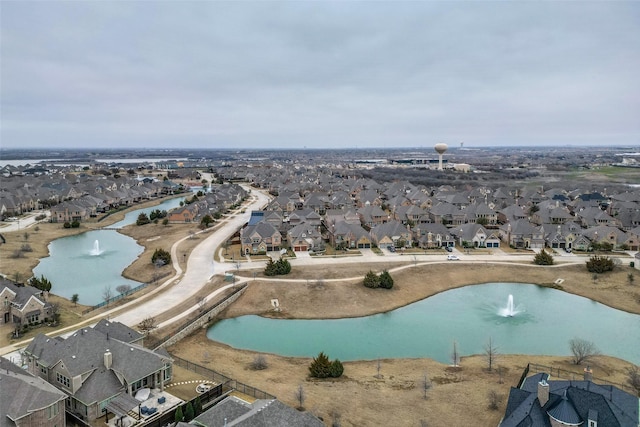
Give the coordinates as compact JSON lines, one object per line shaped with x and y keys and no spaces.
{"x":440,"y":149}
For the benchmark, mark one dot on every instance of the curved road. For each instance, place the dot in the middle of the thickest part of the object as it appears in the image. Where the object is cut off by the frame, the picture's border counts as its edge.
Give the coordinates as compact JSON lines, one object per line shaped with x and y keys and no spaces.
{"x":200,"y":269}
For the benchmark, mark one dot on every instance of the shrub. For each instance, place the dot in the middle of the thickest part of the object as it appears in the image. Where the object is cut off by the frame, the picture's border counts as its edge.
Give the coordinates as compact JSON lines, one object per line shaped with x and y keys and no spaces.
{"x":543,"y":258}
{"x":321,"y":367}
{"x":259,"y":363}
{"x":143,"y":219}
{"x":336,"y":369}
{"x":75,"y":224}
{"x":26,"y":248}
{"x":161,"y":257}
{"x":67,"y":225}
{"x":385,"y":280}
{"x":599,"y":264}
{"x":371,"y":280}
{"x":277,"y":268}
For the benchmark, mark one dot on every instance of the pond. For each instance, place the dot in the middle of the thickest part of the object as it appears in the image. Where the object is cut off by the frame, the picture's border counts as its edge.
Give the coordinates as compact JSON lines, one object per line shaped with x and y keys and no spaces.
{"x":542,"y":321}
{"x":89,"y":263}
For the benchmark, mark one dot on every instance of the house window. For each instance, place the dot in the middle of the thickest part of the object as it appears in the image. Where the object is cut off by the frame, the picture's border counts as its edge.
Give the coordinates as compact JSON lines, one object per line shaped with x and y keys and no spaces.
{"x":33,"y":318}
{"x":63,"y":380}
{"x":43,"y":370}
{"x":52,"y":411}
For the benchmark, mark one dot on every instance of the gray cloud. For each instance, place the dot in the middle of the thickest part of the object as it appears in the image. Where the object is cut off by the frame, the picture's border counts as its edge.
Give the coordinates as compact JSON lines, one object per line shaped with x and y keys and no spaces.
{"x":287,"y":74}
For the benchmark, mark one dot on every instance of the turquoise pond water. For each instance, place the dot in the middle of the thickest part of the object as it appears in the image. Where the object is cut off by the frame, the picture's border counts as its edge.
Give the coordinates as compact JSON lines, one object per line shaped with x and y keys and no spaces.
{"x":75,"y":267}
{"x":546,"y":320}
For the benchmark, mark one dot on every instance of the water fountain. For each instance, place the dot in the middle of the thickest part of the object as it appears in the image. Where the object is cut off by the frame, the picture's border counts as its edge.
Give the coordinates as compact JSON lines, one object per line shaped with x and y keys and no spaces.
{"x":96,"y":249}
{"x":510,"y":310}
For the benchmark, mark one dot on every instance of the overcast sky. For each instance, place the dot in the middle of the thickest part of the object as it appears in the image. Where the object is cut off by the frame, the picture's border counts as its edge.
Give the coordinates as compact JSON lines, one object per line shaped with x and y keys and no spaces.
{"x":318,"y":74}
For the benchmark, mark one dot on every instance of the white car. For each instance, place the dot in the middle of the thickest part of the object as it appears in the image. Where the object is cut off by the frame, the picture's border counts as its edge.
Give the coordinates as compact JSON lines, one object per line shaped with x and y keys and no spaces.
{"x":452,"y":258}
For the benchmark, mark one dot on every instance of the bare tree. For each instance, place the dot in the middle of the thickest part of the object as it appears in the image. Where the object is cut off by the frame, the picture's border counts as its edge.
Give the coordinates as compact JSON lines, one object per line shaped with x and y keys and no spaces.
{"x":147,"y":325}
{"x":107,"y":293}
{"x":54,"y":309}
{"x":259,"y":363}
{"x":633,"y":378}
{"x":455,"y":356}
{"x":582,"y":350}
{"x":425,"y":384}
{"x":494,"y":400}
{"x":378,"y":365}
{"x":300,"y":396}
{"x":123,"y":289}
{"x":491,"y":354}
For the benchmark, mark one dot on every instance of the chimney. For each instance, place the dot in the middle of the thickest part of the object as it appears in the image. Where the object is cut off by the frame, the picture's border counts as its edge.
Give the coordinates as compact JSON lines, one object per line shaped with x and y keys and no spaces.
{"x":588,"y":374}
{"x":543,"y":392}
{"x":108,"y":359}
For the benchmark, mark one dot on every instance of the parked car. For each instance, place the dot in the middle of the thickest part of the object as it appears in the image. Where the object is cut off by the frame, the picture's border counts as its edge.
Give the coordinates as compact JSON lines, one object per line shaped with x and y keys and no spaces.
{"x":448,"y":249}
{"x":567,"y":250}
{"x":452,"y":258}
{"x":392,"y":249}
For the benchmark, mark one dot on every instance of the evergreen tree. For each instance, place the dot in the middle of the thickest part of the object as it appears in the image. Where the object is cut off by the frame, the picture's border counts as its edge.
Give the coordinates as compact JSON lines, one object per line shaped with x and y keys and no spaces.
{"x":188,"y":412}
{"x":599,"y":264}
{"x":197,"y":406}
{"x":178,"y":416}
{"x":371,"y":280}
{"x":543,"y":258}
{"x":385,"y":280}
{"x":336,"y":369}
{"x":143,"y":219}
{"x":161,"y":256}
{"x":320,"y":367}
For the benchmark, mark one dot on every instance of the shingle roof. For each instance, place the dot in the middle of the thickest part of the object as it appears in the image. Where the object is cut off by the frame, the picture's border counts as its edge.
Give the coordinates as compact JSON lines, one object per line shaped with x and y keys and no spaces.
{"x":21,"y":393}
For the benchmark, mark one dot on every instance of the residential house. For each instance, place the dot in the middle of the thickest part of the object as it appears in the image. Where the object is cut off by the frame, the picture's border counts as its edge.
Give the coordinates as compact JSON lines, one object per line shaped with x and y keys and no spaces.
{"x":304,"y":237}
{"x":28,"y":401}
{"x":540,"y":401}
{"x":349,"y":236}
{"x":634,"y":239}
{"x":522,"y":234}
{"x":409,"y":214}
{"x":372,"y":215}
{"x":308,"y":216}
{"x":551,"y":212}
{"x":562,"y":236}
{"x":94,"y":368}
{"x":606,"y":235}
{"x":481,"y":213}
{"x":594,"y":216}
{"x":433,"y":235}
{"x":24,"y":305}
{"x":260,"y":238}
{"x":391,"y":234}
{"x":68,"y":212}
{"x":511,"y":213}
{"x":186,"y":213}
{"x":477,"y":236}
